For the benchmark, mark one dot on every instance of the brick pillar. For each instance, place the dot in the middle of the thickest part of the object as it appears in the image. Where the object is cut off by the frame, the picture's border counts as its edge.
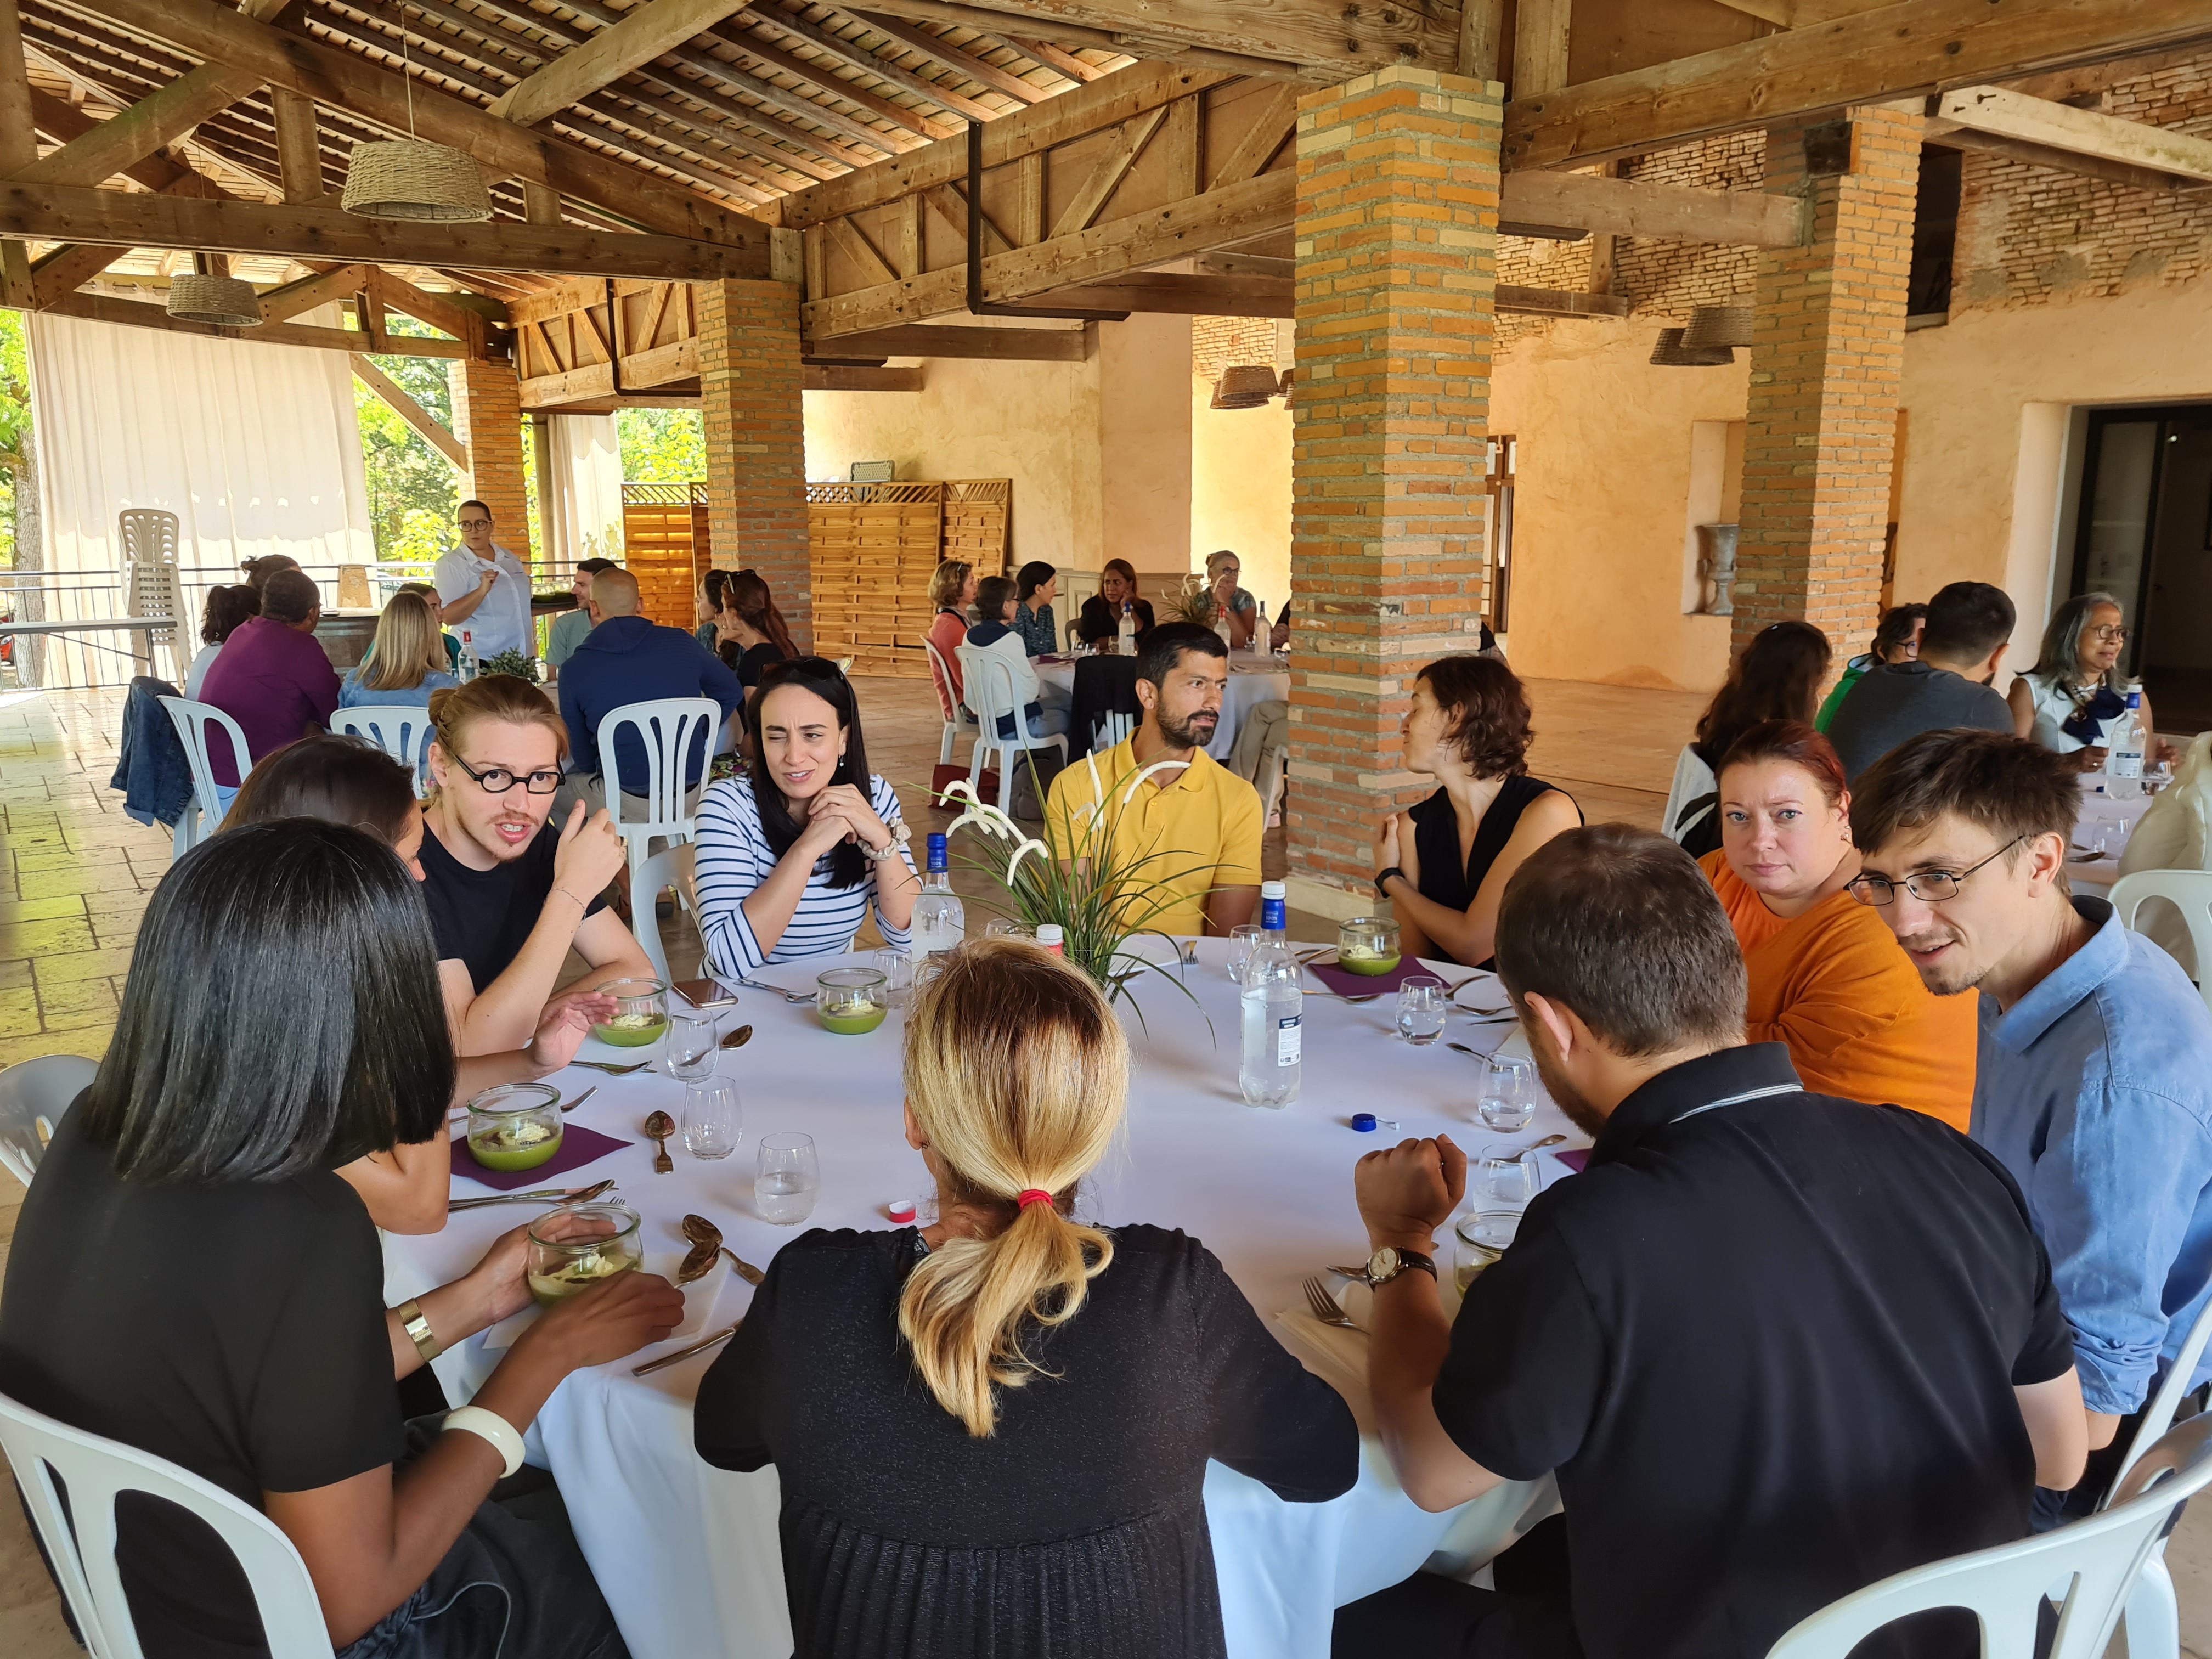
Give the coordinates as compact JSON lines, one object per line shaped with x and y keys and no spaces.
{"x":1397,"y":232}
{"x":487,"y":418}
{"x":749,"y":398}
{"x":1826,"y":364}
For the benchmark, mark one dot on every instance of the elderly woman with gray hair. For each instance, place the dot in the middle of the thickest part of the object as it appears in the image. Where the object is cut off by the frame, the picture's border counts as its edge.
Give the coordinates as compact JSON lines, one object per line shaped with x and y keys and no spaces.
{"x":2074,"y":699}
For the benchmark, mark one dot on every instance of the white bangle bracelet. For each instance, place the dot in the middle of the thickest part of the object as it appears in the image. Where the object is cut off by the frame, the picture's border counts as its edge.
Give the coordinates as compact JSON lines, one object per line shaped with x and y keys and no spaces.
{"x":491,"y":1426}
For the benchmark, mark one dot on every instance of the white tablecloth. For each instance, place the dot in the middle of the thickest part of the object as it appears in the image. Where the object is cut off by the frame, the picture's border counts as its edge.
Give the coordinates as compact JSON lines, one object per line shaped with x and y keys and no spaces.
{"x":688,"y":1555}
{"x":1253,"y":679}
{"x":2101,"y":819}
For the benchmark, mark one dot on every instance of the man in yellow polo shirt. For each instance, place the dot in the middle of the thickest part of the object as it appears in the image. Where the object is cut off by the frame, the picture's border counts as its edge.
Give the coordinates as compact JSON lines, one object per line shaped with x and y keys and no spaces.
{"x":1195,"y":824}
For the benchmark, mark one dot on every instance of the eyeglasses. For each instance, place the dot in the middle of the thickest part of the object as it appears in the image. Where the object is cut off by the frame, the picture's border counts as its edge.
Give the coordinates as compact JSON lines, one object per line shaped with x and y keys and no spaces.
{"x":2109,"y":635}
{"x":476,"y":524}
{"x":497,"y":780}
{"x":1929,"y":886}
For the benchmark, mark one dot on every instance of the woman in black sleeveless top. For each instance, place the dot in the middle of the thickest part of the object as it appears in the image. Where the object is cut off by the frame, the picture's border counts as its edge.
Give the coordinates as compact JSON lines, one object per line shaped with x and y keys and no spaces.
{"x":1444,"y":866}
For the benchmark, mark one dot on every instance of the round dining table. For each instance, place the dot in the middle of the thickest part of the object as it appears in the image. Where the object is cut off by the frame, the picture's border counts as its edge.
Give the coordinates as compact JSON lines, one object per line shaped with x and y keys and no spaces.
{"x":1255,"y":676}
{"x":688,"y":1554}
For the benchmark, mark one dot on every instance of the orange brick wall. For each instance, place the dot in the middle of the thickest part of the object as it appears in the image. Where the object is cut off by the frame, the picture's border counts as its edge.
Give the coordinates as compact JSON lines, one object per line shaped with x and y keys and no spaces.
{"x":749,"y":382}
{"x":487,"y":418}
{"x":1825,"y":366}
{"x":1397,"y":225}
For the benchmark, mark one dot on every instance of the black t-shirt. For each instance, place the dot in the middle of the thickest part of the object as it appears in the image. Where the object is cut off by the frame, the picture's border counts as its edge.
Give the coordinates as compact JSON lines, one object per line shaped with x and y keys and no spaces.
{"x":236,"y":1329}
{"x":1894,"y":702}
{"x":749,"y":665}
{"x":1769,"y":1341}
{"x":482,"y":918}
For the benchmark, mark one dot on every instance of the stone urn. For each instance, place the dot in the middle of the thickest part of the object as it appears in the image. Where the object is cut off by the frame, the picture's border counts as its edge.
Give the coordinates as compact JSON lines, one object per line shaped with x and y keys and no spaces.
{"x":1717,"y":568}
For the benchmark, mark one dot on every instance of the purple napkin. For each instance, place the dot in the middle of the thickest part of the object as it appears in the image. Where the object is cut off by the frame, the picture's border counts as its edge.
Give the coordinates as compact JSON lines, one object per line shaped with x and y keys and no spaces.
{"x":1349,"y":984}
{"x":1574,"y":1157}
{"x":578,"y":1146}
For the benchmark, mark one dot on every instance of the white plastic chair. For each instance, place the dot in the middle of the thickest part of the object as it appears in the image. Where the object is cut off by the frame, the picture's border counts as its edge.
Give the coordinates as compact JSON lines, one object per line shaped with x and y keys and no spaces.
{"x":989,"y":680}
{"x":191,"y":721}
{"x":669,"y":868}
{"x":401,"y":730}
{"x":82,"y":1542}
{"x":959,"y":724}
{"x":34,"y":1094}
{"x":2153,"y":1615}
{"x":2096,"y":1562}
{"x":669,"y":729}
{"x":2191,"y":892}
{"x":1693,"y":797}
{"x":148,"y":536}
{"x":1113,"y":730}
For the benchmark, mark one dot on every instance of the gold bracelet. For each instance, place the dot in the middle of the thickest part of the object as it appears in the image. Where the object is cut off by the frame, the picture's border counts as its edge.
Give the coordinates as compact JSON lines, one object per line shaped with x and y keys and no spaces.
{"x":418,"y":1330}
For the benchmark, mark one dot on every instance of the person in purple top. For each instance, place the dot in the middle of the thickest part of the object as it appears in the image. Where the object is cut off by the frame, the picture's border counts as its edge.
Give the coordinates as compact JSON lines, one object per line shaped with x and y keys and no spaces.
{"x":273,"y":677}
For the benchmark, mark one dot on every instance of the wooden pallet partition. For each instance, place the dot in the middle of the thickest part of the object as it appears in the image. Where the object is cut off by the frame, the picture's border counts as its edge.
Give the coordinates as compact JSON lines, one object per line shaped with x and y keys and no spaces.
{"x":663,"y":549}
{"x":874,"y":547}
{"x":979,"y":516}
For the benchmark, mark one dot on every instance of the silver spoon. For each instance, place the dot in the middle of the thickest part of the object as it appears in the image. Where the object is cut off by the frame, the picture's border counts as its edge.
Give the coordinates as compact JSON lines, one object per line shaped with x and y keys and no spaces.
{"x":777,"y":990}
{"x":610,"y":1070}
{"x":548,"y":1195}
{"x":571,"y":1105}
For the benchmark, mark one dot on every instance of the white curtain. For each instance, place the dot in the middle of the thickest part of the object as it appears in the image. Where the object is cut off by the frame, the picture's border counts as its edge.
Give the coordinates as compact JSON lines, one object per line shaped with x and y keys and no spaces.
{"x":254,"y":448}
{"x":588,"y":473}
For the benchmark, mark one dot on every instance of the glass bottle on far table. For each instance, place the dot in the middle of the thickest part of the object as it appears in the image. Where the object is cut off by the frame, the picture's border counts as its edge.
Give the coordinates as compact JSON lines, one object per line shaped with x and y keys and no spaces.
{"x":1273,"y":1008}
{"x":940,"y":921}
{"x":470,"y":664}
{"x":2129,"y":748}
{"x":1126,"y":634}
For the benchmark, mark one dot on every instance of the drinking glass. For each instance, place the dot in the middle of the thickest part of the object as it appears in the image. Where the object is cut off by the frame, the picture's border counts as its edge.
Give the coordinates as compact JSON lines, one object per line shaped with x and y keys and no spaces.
{"x":690,"y":1051}
{"x":1508,"y":1100}
{"x":1240,"y":941}
{"x":895,"y":964}
{"x":712,"y":1123}
{"x":787,"y":1179}
{"x":1421,"y":1006}
{"x":1505,"y":1178}
{"x":1008,"y":928}
{"x":1479,"y":1239}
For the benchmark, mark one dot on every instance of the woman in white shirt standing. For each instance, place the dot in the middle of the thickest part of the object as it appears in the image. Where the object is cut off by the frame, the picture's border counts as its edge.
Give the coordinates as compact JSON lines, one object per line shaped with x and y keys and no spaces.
{"x":2073,"y":701}
{"x":790,"y":858}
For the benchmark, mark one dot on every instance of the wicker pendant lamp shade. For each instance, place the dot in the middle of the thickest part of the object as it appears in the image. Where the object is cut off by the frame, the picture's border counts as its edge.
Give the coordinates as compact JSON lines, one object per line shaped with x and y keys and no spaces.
{"x":408,"y":178}
{"x":1671,"y":353}
{"x":222,"y":300}
{"x":1246,"y":387}
{"x":1714,"y":327}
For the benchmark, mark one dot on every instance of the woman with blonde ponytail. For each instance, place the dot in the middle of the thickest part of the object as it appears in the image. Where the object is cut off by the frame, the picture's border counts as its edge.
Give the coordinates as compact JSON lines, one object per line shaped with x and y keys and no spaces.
{"x":992,"y":1433}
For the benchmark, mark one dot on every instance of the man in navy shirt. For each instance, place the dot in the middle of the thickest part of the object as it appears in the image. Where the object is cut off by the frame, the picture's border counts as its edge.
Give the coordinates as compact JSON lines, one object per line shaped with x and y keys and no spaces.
{"x":625,"y":659}
{"x":2091,"y":1085}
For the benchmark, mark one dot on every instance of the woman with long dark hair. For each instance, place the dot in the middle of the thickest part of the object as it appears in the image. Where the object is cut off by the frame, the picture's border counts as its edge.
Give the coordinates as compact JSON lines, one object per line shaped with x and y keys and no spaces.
{"x":189,"y":1277}
{"x":751,"y":631}
{"x":1776,"y":677}
{"x":791,"y":856}
{"x":227,"y":607}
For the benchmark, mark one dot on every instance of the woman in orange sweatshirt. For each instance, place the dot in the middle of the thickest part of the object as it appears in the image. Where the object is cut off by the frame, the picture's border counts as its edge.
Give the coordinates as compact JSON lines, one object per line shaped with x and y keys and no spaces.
{"x":1827,"y":976}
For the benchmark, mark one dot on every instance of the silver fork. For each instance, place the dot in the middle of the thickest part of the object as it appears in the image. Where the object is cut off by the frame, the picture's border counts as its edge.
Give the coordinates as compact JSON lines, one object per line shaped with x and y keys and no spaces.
{"x":777,"y":990}
{"x":1322,"y":1305}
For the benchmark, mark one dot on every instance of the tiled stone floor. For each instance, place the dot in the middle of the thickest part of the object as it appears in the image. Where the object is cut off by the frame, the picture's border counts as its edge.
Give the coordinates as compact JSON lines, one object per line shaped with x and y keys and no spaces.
{"x":75,"y":874}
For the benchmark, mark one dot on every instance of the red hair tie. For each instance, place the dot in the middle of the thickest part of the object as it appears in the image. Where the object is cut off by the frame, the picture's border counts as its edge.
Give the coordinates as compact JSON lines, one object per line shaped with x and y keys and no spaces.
{"x":1030,"y":1195}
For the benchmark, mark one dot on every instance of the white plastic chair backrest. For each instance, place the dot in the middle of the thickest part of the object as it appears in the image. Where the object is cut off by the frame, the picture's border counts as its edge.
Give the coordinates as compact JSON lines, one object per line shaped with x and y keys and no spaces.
{"x":2096,"y":1561}
{"x":950,"y":707}
{"x":671,"y":867}
{"x":401,"y":730}
{"x":1115,"y":729}
{"x":669,"y":728}
{"x":1693,"y":782}
{"x":148,"y":539}
{"x":191,"y":721}
{"x":34,"y":1094}
{"x":82,"y":1544}
{"x":2158,"y":1416}
{"x":989,"y":680}
{"x":2190,"y":893}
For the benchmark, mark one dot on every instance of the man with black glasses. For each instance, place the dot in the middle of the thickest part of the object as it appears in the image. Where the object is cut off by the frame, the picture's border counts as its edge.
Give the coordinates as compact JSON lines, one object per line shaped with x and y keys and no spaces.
{"x":2093,"y":1079}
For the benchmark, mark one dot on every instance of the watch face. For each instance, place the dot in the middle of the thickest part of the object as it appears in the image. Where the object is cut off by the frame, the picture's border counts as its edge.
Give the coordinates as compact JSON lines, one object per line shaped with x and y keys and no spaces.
{"x":1383,"y":1264}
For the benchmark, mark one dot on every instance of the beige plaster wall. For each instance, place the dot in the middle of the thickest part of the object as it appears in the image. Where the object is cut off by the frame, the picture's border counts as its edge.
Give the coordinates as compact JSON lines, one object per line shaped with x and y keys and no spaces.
{"x":1240,"y":490}
{"x":1602,"y":498}
{"x":1142,"y":512}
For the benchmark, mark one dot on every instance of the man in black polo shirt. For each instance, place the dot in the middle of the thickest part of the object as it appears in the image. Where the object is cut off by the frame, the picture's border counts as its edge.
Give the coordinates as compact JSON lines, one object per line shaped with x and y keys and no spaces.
{"x":1775,"y":1345}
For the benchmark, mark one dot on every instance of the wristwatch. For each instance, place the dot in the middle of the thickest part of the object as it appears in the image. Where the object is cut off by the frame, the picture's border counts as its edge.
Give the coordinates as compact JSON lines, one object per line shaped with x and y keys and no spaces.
{"x":1382,"y":876}
{"x":1387,"y":1263}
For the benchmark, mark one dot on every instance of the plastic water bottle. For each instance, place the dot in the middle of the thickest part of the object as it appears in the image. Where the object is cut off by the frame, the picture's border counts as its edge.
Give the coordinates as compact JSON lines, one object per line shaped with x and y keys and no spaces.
{"x":939,"y":921}
{"x":2130,"y":743}
{"x":471,"y":665}
{"x":1125,"y":637}
{"x":1273,"y":1008}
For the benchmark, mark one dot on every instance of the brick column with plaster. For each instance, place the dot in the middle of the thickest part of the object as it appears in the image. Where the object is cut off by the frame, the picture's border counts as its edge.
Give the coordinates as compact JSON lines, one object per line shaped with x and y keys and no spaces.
{"x":1825,"y":366}
{"x":1397,"y":233}
{"x":487,"y":418}
{"x":749,"y":382}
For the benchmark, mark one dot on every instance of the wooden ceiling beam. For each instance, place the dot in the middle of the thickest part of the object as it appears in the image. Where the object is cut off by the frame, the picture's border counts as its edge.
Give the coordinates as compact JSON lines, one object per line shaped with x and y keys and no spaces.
{"x":2060,"y":160}
{"x":645,"y":33}
{"x":289,"y":300}
{"x":110,"y":146}
{"x":975,"y":68}
{"x":713,"y":126}
{"x":133,"y":313}
{"x":780,"y":101}
{"x":764,"y":121}
{"x":1914,"y":47}
{"x":844,"y":377}
{"x":820,"y":75}
{"x":1580,"y":202}
{"x":66,"y":269}
{"x":1054,"y":58}
{"x":395,"y":397}
{"x":866,"y":62}
{"x":57,"y":213}
{"x":1004,"y":345}
{"x":2004,"y":113}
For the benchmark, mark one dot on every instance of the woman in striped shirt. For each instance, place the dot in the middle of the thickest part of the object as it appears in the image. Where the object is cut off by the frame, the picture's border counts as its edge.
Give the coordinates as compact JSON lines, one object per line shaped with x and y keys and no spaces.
{"x":790,"y":858}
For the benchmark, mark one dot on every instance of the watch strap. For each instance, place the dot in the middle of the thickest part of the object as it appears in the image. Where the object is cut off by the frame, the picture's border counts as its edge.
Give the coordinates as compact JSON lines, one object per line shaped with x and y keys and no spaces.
{"x":418,"y":1329}
{"x":1382,"y":876}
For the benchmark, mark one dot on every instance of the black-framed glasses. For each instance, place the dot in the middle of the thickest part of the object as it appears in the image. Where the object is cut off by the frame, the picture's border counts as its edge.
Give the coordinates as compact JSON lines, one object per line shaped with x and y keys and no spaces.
{"x":497,"y":780}
{"x":1929,"y":886}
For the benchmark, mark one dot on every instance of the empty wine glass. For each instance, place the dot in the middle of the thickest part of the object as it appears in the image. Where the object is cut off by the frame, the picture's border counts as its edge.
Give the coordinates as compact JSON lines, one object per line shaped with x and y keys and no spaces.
{"x":690,"y":1051}
{"x":712,"y":1124}
{"x":1421,"y":1009}
{"x":1509,"y":1096}
{"x":787,"y":1179}
{"x":1242,"y":938}
{"x":1504,"y":1176}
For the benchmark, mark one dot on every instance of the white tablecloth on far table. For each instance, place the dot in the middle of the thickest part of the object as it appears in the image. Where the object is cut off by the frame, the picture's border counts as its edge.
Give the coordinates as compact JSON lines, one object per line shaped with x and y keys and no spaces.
{"x":688,"y":1555}
{"x":1253,"y":679}
{"x":2101,"y":819}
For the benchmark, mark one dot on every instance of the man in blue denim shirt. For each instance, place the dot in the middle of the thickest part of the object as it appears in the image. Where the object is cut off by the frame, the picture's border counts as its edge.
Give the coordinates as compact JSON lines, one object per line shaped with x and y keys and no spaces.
{"x":2094,"y":1084}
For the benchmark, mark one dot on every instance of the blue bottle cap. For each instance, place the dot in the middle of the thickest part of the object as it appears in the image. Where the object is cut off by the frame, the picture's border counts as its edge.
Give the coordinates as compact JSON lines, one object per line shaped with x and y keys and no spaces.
{"x":1364,"y":1122}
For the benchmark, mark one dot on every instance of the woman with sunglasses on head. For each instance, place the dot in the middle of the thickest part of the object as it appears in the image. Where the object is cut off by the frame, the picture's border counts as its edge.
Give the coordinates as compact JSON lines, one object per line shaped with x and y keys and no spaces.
{"x":2073,"y":700}
{"x":792,"y":857}
{"x":510,"y":892}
